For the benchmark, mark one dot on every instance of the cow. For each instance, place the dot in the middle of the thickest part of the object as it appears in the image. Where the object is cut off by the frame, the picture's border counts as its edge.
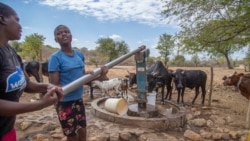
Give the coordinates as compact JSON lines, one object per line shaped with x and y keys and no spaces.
{"x":160,"y":78}
{"x":32,"y":69}
{"x":235,"y":87}
{"x":191,"y":79}
{"x":157,"y":77}
{"x":241,"y":81}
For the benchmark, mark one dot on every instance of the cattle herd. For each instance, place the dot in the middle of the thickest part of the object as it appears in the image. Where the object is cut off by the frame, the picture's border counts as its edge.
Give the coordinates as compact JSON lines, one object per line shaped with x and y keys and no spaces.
{"x":159,"y":78}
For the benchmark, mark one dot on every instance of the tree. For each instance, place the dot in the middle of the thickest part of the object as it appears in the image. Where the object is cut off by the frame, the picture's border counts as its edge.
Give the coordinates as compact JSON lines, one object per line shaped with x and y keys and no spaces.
{"x":178,"y":60}
{"x":232,"y":15}
{"x":111,"y":49}
{"x":247,"y":58}
{"x":195,"y":59}
{"x":16,"y":45}
{"x":165,"y":46}
{"x":32,"y":46}
{"x":217,"y":27}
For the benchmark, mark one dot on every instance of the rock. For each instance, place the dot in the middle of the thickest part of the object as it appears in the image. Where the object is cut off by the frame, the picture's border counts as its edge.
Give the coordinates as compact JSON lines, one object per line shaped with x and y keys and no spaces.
{"x":210,"y":123}
{"x":233,"y":134}
{"x":57,"y":135}
{"x":125,"y":136}
{"x":244,"y":138}
{"x":216,"y":136}
{"x":138,"y":132}
{"x":114,"y":137}
{"x":218,"y":129}
{"x":148,"y":137}
{"x":37,"y":96}
{"x":42,"y":137}
{"x":226,"y":130}
{"x":197,"y":113}
{"x":192,"y":135}
{"x":95,"y":138}
{"x":219,"y":121}
{"x":25,"y":124}
{"x":199,"y":122}
{"x":104,"y":137}
{"x":189,"y":116}
{"x":33,"y":100}
{"x":205,"y":134}
{"x":225,"y":136}
{"x":229,"y":119}
{"x":193,"y":109}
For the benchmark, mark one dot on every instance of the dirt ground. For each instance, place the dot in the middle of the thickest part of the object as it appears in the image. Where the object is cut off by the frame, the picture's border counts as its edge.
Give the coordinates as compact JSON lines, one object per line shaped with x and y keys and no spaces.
{"x":224,"y":99}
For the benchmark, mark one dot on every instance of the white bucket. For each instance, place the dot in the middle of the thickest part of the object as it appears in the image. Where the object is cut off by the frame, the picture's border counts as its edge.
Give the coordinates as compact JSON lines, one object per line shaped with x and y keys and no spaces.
{"x":151,"y":98}
{"x":116,"y":105}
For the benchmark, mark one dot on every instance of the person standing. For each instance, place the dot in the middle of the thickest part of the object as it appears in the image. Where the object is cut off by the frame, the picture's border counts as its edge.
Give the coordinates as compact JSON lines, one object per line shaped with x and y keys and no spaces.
{"x":65,"y":66}
{"x":13,"y":79}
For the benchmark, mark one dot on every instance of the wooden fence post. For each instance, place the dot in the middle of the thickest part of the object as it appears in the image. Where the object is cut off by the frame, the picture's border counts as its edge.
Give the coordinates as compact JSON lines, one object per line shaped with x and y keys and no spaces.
{"x":211,"y":87}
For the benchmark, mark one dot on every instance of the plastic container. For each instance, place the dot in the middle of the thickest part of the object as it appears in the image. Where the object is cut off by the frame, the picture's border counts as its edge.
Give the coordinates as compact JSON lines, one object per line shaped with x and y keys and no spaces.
{"x":116,"y":105}
{"x":151,"y":98}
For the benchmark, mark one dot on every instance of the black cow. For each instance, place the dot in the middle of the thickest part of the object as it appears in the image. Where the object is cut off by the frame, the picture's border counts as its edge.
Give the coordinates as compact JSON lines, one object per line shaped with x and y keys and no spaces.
{"x":191,"y":79}
{"x":157,"y":77}
{"x":32,"y":69}
{"x":162,"y":78}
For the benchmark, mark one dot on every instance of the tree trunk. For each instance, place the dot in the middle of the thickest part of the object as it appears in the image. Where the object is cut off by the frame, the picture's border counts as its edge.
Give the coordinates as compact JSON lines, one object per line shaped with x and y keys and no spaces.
{"x":228,"y":62}
{"x":165,"y":62}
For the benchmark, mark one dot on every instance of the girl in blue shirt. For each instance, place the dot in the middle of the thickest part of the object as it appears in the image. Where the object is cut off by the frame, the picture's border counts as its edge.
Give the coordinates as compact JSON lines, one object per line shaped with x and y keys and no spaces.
{"x":65,"y":66}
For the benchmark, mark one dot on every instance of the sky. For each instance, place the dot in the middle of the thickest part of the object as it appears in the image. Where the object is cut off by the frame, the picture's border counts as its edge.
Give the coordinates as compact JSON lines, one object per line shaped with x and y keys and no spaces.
{"x":136,"y":22}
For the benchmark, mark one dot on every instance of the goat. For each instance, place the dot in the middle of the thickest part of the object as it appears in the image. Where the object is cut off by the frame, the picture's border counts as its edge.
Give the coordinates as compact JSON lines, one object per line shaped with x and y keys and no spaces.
{"x":105,"y":86}
{"x":124,"y":88}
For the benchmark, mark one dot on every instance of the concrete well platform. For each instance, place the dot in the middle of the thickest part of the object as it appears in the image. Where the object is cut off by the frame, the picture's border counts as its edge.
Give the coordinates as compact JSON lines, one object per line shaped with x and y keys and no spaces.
{"x":166,"y":120}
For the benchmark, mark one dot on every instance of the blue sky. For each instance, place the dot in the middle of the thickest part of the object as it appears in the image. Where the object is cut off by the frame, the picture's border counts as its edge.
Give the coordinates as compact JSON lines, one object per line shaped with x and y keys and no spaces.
{"x":134,"y":21}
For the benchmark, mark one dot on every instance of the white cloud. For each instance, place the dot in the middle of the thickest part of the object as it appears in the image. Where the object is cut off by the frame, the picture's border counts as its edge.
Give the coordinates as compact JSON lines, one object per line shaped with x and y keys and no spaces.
{"x":27,"y":1}
{"x":74,"y":39}
{"x":115,"y":37}
{"x":27,"y":27}
{"x":142,"y":11}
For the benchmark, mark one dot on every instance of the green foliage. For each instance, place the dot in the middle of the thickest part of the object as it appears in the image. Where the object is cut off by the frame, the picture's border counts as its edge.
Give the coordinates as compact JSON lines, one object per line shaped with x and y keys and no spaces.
{"x":178,"y":60}
{"x":111,"y":48}
{"x":16,"y":45}
{"x":247,"y":58}
{"x":150,"y":61}
{"x":216,"y":27}
{"x":195,"y":59}
{"x":165,"y":46}
{"x":32,"y":46}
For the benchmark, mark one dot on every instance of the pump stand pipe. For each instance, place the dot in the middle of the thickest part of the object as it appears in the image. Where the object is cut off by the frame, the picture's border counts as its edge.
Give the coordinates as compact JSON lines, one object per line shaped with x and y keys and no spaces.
{"x":86,"y":78}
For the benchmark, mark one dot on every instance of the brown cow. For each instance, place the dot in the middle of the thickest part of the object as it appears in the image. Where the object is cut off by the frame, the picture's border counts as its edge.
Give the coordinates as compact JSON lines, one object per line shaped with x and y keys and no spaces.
{"x":242,"y":82}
